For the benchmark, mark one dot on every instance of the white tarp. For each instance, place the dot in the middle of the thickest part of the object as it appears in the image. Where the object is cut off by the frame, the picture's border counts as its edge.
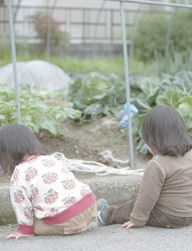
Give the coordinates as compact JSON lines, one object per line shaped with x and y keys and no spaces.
{"x":38,"y":73}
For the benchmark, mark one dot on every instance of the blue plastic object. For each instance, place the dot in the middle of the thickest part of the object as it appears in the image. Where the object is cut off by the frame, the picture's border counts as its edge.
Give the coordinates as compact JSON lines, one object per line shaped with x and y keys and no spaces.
{"x":124,"y":121}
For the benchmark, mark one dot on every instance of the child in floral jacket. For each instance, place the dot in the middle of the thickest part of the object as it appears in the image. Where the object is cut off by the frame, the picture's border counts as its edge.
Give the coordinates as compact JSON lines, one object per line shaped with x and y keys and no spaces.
{"x":46,"y":196}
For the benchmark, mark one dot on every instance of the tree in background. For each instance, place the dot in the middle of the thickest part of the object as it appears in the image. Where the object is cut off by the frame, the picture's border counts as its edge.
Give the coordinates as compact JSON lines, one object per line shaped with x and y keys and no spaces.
{"x":151,"y":37}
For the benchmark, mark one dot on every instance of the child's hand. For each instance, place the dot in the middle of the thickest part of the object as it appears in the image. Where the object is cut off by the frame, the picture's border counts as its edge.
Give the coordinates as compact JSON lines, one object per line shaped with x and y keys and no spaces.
{"x":17,"y":236}
{"x":128,"y":224}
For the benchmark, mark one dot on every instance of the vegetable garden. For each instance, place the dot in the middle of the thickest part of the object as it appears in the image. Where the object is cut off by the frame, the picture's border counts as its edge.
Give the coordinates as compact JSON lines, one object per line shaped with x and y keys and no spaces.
{"x":96,"y":96}
{"x":161,"y":74}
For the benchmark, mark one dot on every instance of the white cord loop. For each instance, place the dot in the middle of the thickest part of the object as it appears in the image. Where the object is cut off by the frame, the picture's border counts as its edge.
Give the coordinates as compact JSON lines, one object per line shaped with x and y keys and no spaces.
{"x":84,"y":166}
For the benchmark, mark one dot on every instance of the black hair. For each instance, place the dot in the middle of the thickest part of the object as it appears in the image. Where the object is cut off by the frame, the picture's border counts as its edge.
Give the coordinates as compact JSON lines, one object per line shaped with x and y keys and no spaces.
{"x":17,"y":141}
{"x":164,"y":129}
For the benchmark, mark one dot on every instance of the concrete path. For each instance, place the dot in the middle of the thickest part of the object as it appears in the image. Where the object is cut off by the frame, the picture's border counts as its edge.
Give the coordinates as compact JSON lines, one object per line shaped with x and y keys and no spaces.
{"x":108,"y":238}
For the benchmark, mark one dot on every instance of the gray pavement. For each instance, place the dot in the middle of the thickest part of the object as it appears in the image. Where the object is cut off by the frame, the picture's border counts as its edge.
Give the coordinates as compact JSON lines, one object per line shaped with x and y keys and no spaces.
{"x":108,"y":238}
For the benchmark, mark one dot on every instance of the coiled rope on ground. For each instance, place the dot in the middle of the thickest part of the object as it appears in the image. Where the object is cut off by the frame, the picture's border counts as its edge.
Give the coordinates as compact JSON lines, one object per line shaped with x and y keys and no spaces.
{"x":98,"y":168}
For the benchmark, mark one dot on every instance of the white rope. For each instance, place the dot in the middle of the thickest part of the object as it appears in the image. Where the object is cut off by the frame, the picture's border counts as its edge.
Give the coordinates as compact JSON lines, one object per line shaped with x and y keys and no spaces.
{"x":82,"y":166}
{"x":107,"y":158}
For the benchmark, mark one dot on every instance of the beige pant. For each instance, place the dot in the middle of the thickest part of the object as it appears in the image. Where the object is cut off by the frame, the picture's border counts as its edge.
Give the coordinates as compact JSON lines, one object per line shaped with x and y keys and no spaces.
{"x":77,"y":224}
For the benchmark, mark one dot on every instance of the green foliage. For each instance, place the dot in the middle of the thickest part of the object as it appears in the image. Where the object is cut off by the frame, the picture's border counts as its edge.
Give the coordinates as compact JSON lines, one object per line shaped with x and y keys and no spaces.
{"x":150,"y":37}
{"x":152,"y":33}
{"x":5,"y":54}
{"x":85,"y":65}
{"x":97,"y":96}
{"x":174,"y":91}
{"x":173,"y":63}
{"x":181,"y":32}
{"x":35,"y":112}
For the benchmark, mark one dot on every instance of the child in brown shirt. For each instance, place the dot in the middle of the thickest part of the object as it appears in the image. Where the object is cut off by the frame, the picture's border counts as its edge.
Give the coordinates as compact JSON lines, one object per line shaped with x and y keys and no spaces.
{"x":165,"y":194}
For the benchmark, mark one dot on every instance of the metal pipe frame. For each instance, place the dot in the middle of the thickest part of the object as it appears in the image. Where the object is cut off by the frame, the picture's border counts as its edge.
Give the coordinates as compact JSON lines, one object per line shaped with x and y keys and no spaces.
{"x":13,"y":52}
{"x":189,"y":6}
{"x":126,"y":74}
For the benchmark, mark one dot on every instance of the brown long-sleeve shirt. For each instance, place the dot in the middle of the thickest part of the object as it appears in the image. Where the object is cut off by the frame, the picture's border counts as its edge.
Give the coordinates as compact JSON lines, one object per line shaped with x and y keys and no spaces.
{"x":167,"y":186}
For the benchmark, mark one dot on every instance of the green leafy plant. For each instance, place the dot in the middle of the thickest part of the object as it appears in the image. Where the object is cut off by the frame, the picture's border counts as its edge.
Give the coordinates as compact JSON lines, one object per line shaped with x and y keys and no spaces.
{"x":36,"y":113}
{"x":173,"y":63}
{"x":97,"y":95}
{"x":174,"y":91}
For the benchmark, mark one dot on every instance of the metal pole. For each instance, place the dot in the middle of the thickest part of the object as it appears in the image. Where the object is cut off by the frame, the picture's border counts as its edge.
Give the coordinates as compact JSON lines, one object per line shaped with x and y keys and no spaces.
{"x":49,"y":28}
{"x":168,"y":34}
{"x":48,"y":33}
{"x":156,"y":3}
{"x":96,"y":29}
{"x":13,"y":52}
{"x":126,"y":73}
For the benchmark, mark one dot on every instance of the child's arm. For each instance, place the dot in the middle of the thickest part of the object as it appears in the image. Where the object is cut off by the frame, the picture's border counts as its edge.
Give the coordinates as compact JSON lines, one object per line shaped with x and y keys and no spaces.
{"x":22,"y":207}
{"x":128,"y":224}
{"x":17,"y":236}
{"x":149,"y":192}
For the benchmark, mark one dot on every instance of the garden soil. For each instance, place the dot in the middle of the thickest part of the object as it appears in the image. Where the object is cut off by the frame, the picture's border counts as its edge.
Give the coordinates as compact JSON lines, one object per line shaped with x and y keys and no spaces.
{"x":87,"y":141}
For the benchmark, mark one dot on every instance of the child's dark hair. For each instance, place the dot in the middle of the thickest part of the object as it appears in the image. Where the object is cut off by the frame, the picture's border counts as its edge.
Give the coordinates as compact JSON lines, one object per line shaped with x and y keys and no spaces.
{"x":17,"y":141}
{"x":164,"y":129}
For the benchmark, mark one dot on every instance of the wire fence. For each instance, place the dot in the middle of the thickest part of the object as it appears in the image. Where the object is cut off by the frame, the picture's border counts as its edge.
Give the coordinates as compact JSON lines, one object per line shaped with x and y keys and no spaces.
{"x":80,"y":24}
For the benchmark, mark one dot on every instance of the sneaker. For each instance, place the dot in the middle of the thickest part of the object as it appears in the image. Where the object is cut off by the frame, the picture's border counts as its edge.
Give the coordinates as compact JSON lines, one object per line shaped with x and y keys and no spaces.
{"x":102,"y":205}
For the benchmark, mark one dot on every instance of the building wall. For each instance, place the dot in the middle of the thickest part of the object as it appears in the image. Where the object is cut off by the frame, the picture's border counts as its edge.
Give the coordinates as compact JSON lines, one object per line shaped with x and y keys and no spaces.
{"x":73,"y":22}
{"x":85,"y":21}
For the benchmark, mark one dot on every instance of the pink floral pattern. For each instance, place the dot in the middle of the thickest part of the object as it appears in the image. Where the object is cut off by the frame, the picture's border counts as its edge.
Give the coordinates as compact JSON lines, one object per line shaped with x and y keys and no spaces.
{"x":18,"y":196}
{"x":54,"y":211}
{"x":69,"y":201}
{"x":15,"y":176}
{"x":39,"y":208}
{"x":34,"y":192}
{"x":49,"y":178}
{"x":51,"y":196}
{"x":31,"y":173}
{"x":85,"y":192}
{"x":48,"y":162}
{"x":28,"y":212}
{"x":68,"y":184}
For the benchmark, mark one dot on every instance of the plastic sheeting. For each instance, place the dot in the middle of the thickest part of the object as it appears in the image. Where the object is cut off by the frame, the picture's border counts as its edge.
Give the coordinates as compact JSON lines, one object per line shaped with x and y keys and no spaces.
{"x":38,"y":73}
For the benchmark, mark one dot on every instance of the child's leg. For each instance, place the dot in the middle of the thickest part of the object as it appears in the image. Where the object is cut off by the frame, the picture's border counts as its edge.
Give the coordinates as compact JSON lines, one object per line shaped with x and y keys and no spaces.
{"x":119,"y":214}
{"x":158,"y":219}
{"x":75,"y":225}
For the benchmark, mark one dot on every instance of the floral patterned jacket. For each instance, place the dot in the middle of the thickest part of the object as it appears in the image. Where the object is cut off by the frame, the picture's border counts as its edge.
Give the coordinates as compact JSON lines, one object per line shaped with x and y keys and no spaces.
{"x":44,"y":188}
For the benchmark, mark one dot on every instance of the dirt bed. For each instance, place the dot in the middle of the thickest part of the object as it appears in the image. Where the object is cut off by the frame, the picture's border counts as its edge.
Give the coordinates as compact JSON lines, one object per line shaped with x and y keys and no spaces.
{"x":87,"y":141}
